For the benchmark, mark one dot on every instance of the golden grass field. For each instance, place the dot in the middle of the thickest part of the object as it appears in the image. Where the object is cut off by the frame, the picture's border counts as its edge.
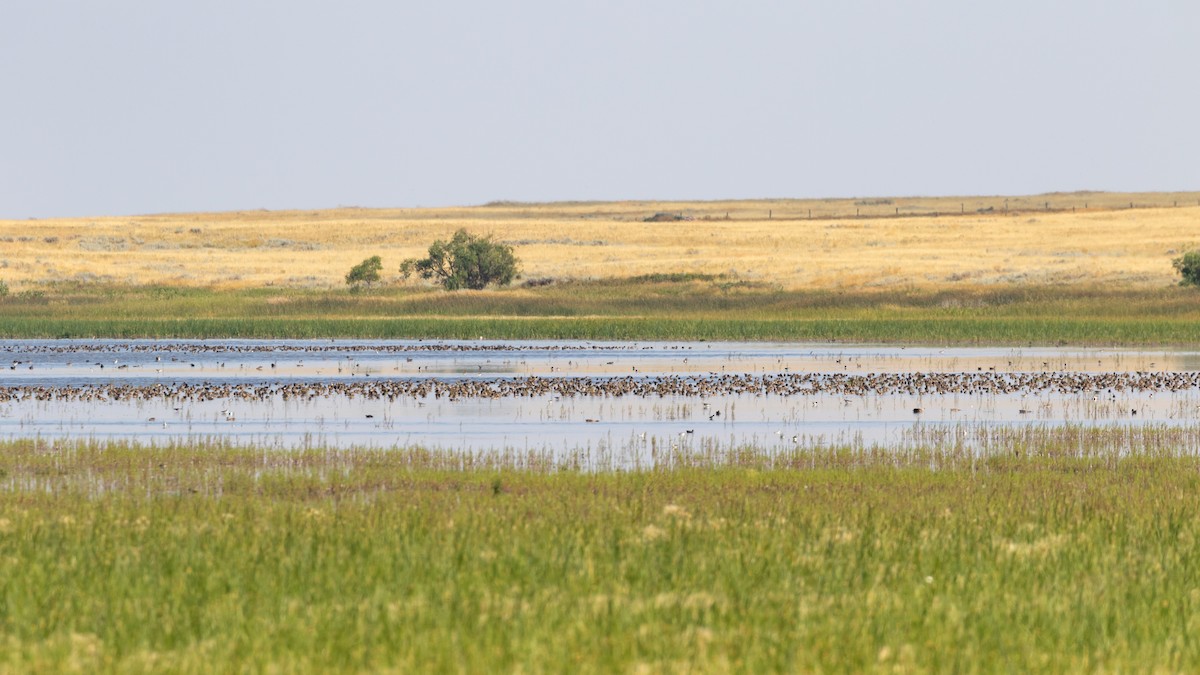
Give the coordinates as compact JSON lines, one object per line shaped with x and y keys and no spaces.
{"x":1060,"y":238}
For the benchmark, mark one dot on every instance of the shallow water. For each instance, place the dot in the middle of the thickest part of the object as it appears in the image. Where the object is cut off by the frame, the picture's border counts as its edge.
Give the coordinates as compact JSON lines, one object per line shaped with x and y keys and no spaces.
{"x":444,"y":394}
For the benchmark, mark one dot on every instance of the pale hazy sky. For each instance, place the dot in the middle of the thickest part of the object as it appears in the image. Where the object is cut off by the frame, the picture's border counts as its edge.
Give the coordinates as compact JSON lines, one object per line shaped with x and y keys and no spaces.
{"x":121,"y":107}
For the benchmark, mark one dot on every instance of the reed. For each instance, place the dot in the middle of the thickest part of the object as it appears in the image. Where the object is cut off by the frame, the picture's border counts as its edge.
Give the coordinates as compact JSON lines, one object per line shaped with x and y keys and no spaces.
{"x":201,"y":557}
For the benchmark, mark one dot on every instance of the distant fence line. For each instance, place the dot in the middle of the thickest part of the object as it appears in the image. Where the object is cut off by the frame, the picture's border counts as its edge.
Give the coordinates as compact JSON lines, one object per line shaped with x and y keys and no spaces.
{"x":873,"y":213}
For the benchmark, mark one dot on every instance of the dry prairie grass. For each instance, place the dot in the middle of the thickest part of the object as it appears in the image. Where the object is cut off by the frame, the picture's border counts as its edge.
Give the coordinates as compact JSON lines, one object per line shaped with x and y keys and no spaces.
{"x":1075,"y":239}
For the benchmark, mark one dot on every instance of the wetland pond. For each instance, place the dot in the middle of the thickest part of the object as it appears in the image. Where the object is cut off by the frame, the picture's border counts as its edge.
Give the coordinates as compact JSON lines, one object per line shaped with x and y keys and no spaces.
{"x":629,"y":401}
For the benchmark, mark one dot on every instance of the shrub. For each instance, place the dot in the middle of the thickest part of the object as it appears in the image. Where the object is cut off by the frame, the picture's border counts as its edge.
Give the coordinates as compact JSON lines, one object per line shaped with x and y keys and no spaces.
{"x":3,"y":289}
{"x":366,"y":272}
{"x":466,"y":261}
{"x":662,"y":218}
{"x":32,"y":297}
{"x":1188,"y":266}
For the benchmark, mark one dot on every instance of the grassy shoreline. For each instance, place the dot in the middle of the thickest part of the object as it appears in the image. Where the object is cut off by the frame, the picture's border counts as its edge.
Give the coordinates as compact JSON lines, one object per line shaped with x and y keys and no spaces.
{"x":913,"y":331}
{"x":672,"y":309}
{"x":193,"y":558}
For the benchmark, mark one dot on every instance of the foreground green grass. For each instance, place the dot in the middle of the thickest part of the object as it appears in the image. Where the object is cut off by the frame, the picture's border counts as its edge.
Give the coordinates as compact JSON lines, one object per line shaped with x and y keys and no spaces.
{"x":662,"y":308}
{"x":211,"y":558}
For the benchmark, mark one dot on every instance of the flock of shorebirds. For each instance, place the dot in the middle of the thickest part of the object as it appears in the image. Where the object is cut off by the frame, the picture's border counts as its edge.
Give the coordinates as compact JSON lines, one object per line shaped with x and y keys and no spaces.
{"x":175,"y":384}
{"x":565,"y":381}
{"x":1098,"y":385}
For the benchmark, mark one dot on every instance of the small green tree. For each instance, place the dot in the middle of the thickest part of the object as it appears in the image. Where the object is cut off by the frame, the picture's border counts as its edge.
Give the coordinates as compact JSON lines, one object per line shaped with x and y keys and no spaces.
{"x":466,"y":261}
{"x":366,"y":272}
{"x":1188,"y":266}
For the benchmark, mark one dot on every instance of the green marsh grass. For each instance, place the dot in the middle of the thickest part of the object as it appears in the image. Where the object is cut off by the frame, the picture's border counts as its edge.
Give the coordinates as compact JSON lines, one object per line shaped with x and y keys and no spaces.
{"x":1080,"y":551}
{"x":690,"y":309}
